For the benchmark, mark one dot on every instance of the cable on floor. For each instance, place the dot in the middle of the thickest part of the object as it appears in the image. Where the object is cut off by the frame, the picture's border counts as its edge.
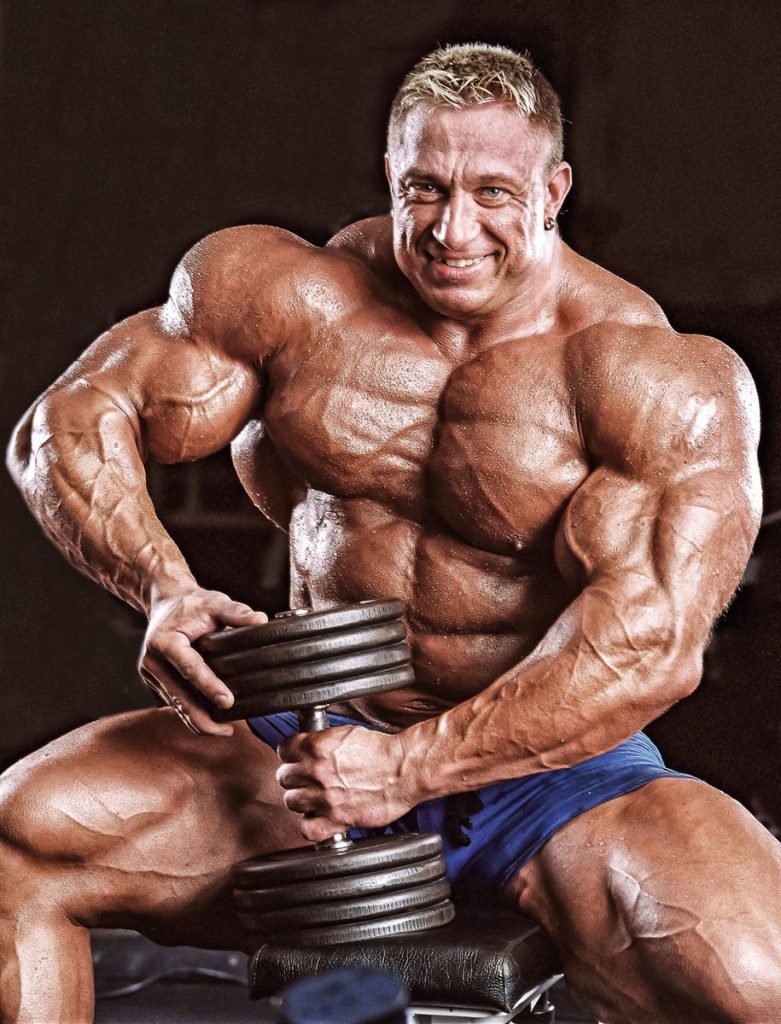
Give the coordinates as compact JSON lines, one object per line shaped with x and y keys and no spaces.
{"x":179,"y":973}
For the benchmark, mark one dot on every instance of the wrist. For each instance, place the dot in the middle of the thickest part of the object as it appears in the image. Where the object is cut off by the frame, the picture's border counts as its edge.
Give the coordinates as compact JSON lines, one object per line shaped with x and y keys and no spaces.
{"x":419,"y":770}
{"x":166,"y":585}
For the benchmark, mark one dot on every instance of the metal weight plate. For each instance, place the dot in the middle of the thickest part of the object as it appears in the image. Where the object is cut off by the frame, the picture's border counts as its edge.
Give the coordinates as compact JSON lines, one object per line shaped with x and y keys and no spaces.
{"x":322,"y":670}
{"x":338,"y":642}
{"x":299,"y":894}
{"x":308,"y":863}
{"x":418,"y":920}
{"x":299,"y":627}
{"x":359,"y":908}
{"x":295,"y":698}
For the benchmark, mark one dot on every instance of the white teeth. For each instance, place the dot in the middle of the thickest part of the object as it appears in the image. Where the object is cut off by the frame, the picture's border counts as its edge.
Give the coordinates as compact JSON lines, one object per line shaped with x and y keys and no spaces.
{"x":461,"y":263}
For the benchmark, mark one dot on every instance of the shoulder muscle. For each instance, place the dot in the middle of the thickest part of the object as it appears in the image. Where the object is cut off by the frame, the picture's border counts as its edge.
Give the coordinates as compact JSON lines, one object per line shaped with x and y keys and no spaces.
{"x":371,"y":242}
{"x":649,"y":398}
{"x":231,"y":289}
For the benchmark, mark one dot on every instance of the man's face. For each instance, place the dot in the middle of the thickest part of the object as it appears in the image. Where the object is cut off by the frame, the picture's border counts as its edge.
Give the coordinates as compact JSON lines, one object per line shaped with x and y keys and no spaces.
{"x":470,"y":194}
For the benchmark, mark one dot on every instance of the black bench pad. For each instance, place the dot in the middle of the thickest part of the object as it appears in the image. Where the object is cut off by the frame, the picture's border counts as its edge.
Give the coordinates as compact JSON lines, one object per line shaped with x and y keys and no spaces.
{"x":485,"y":958}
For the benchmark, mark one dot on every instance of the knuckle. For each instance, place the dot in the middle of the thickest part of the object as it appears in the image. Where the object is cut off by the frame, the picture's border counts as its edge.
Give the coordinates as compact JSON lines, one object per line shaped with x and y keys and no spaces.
{"x":152,"y":646}
{"x":162,"y":644}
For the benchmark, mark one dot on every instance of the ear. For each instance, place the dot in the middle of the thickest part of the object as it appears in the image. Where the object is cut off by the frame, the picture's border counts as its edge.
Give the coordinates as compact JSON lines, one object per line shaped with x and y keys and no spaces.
{"x":558,"y":187}
{"x":388,"y":172}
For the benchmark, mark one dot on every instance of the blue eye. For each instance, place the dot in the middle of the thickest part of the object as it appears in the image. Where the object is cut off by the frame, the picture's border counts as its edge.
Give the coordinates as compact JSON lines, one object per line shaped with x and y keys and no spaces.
{"x":422,"y":191}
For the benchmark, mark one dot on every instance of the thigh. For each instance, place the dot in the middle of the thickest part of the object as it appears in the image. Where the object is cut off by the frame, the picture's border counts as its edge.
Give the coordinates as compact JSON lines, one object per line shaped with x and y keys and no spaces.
{"x":666,"y":906}
{"x":134,"y":822}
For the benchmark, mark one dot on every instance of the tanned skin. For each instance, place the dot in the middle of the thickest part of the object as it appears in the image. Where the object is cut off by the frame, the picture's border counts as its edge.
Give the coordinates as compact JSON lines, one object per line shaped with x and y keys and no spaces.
{"x":562,"y":490}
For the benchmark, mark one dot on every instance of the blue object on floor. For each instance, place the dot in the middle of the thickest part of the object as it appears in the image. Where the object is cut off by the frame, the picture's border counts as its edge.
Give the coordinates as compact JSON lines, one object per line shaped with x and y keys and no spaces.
{"x":357,"y":995}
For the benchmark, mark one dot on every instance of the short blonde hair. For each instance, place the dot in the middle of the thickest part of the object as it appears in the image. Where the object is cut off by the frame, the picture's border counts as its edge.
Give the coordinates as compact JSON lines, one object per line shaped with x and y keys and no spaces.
{"x":472,"y":73}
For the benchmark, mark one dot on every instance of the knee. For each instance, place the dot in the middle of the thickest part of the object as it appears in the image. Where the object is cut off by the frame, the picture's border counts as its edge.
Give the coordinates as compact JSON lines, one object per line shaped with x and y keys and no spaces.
{"x":42,"y":817}
{"x":27,"y":842}
{"x":70,"y":804}
{"x":747,"y":985}
{"x":701,"y":964}
{"x":103,"y":803}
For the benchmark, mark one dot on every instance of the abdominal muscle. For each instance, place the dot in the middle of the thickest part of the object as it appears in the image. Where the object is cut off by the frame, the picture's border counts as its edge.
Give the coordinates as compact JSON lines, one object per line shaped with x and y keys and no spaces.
{"x":472,"y":614}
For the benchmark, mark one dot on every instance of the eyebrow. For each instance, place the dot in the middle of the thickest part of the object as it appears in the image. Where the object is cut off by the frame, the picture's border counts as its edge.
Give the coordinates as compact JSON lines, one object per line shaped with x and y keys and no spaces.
{"x":488,"y":179}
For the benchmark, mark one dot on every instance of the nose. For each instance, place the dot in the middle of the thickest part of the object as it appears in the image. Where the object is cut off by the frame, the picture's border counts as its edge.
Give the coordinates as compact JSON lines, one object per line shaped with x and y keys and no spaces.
{"x":457,"y":224}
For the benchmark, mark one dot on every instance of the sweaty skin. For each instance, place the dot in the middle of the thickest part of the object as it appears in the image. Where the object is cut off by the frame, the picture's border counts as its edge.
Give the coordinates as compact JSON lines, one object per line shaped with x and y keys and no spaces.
{"x":451,"y":407}
{"x":560,"y":488}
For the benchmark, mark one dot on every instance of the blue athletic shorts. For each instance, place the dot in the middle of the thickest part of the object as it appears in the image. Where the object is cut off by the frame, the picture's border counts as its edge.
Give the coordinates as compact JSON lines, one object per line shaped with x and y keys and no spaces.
{"x":489,"y":835}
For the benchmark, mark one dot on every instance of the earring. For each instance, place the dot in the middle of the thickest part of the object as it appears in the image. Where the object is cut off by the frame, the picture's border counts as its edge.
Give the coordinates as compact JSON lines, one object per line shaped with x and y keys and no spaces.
{"x":549,"y":224}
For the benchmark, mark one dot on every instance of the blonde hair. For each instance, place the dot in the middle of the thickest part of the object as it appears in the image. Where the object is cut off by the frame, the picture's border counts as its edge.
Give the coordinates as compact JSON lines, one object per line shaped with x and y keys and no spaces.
{"x":472,"y":73}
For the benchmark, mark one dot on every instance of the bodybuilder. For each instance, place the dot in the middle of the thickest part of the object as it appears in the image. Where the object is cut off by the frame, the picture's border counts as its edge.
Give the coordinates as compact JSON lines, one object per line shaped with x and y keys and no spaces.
{"x":450,"y":406}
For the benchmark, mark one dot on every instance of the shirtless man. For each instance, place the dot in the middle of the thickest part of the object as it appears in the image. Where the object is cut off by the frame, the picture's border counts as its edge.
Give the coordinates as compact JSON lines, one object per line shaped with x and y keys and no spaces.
{"x":452,"y":407}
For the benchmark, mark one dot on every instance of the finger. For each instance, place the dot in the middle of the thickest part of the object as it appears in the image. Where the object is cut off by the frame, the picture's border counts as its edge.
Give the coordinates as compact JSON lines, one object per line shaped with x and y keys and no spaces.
{"x":313,"y":824}
{"x":172,"y":702}
{"x":169,"y":685}
{"x":152,"y":684}
{"x":289,"y":750}
{"x":174,"y":651}
{"x":194,"y":670}
{"x":317,"y":829}
{"x":301,"y":801}
{"x":178,"y":707}
{"x":292,"y":777}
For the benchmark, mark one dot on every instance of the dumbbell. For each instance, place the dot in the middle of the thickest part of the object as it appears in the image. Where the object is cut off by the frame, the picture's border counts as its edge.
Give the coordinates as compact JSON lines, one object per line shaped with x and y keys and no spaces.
{"x":339,"y":890}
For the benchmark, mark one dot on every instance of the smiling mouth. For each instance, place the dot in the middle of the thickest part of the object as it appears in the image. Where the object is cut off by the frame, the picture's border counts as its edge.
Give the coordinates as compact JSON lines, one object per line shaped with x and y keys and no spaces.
{"x":451,"y":262}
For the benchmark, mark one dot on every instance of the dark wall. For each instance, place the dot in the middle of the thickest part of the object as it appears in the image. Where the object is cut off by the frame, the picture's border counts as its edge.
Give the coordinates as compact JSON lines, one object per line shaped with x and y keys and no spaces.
{"x":130,"y":129}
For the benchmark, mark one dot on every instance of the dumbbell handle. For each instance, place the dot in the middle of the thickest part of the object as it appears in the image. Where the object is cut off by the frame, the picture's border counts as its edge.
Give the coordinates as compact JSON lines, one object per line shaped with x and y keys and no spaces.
{"x":315,"y":719}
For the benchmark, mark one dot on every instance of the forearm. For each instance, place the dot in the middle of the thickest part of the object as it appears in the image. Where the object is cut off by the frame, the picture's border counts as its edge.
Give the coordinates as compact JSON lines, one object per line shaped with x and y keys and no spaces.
{"x":76,"y":460}
{"x":594,"y":680}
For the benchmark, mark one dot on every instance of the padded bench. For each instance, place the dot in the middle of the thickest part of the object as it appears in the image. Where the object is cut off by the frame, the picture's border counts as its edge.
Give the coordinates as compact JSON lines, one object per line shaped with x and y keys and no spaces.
{"x":488,"y":965}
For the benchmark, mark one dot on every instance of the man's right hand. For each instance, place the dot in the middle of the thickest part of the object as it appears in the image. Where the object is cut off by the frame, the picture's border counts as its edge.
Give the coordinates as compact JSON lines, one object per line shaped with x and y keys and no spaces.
{"x":169,"y":665}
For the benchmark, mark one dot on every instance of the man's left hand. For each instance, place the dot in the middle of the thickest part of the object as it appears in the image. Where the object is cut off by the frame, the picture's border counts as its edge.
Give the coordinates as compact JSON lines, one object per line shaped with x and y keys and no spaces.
{"x":343,"y":777}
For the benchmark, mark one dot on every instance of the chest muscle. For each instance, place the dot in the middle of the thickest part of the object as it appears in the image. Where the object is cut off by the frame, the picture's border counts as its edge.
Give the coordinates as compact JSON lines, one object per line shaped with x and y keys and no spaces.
{"x":489,"y":447}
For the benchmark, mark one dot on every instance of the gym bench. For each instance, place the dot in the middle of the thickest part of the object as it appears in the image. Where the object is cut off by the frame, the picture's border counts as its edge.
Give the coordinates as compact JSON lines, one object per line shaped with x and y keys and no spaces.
{"x":488,"y":965}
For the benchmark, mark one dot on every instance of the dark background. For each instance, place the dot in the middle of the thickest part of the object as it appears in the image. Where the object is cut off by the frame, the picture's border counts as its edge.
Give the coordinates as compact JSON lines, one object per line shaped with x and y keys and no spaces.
{"x":131,"y":129}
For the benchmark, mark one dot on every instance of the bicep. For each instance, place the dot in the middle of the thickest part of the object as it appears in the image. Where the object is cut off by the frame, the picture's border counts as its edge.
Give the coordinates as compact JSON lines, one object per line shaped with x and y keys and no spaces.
{"x":181,"y":399}
{"x":671,"y":424}
{"x":194,"y":399}
{"x":187,"y":374}
{"x":679,"y":548}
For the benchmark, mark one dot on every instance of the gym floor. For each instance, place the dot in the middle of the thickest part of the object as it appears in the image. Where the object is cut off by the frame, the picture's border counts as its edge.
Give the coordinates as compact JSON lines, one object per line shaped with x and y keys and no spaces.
{"x":139,"y":982}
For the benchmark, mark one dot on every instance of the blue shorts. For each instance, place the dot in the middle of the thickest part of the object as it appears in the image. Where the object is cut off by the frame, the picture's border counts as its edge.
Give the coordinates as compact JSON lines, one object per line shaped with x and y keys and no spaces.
{"x":489,"y":835}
